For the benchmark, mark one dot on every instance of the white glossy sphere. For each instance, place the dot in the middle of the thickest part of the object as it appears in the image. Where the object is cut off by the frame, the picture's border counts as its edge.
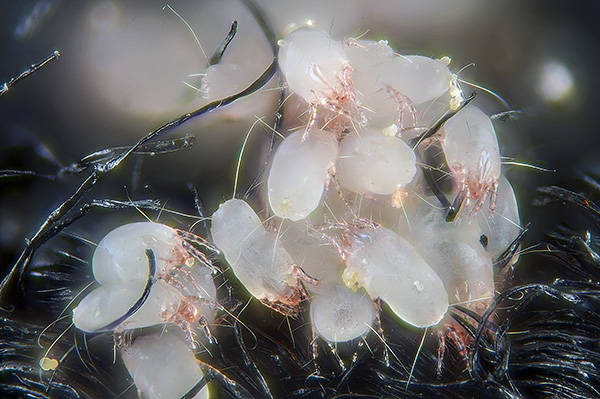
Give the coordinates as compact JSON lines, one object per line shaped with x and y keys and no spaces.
{"x":502,"y":227}
{"x":340,"y":314}
{"x":121,"y":254}
{"x":163,"y":367}
{"x":470,"y":144}
{"x":256,"y":257}
{"x":371,"y":162}
{"x":419,"y":78}
{"x":391,"y":269}
{"x":299,"y":173}
{"x":312,"y":63}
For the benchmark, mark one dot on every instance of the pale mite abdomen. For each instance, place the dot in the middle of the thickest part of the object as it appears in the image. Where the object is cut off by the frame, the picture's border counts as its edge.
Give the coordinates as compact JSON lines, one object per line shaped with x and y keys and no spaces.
{"x":390,"y":268}
{"x":299,"y":173}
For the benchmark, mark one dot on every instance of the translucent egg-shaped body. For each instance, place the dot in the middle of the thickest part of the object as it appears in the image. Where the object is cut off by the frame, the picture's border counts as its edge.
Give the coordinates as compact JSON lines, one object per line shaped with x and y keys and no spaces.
{"x":380,"y":105}
{"x":471,"y":150}
{"x":313,"y":65}
{"x":112,"y":301}
{"x":371,"y":162}
{"x":453,"y":250}
{"x":340,"y":314}
{"x":256,"y":256}
{"x":419,"y":78}
{"x":106,"y":304}
{"x":163,"y":367}
{"x":121,"y":266}
{"x":299,"y":173}
{"x":121,"y":254}
{"x":317,"y":257}
{"x":503,"y":226}
{"x":390,"y":268}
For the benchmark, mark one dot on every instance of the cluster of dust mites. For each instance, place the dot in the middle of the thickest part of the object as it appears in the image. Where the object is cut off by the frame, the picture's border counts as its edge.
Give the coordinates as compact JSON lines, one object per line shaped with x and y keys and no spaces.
{"x":354,"y":218}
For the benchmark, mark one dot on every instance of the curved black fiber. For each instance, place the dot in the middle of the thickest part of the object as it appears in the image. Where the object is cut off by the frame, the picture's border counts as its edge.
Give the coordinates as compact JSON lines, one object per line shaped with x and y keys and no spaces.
{"x":138,"y":304}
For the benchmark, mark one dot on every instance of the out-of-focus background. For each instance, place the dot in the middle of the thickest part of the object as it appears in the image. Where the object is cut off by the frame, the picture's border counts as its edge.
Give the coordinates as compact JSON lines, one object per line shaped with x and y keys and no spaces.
{"x":127,"y":67}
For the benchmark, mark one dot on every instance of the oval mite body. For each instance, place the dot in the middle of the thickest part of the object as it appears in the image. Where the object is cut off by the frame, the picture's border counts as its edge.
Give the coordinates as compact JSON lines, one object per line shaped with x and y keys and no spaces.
{"x":419,"y":78}
{"x":299,"y":173}
{"x":256,"y":256}
{"x":373,"y":163}
{"x":121,"y":267}
{"x":121,"y":254}
{"x":472,"y":154}
{"x":391,"y":269}
{"x":381,"y":107}
{"x":503,"y":226}
{"x":339,"y":314}
{"x":453,"y":250}
{"x":314,"y":65}
{"x":163,"y":366}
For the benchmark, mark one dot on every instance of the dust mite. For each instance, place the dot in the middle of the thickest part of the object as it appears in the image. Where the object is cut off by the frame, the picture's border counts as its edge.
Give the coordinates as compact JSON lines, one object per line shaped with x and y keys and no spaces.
{"x":257,"y":257}
{"x":177,"y":289}
{"x":317,"y":69}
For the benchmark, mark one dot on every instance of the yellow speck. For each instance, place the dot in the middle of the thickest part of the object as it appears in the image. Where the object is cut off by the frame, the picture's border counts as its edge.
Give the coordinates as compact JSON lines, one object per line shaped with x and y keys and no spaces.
{"x":391,"y":130}
{"x":48,"y":364}
{"x":419,"y":286}
{"x":284,"y":205}
{"x":398,"y":198}
{"x":446,"y":60}
{"x":351,"y":279}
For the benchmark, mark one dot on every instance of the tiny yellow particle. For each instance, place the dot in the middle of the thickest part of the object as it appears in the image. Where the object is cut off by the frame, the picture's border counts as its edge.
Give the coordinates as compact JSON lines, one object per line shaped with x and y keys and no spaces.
{"x":190,"y":262}
{"x":351,"y":279}
{"x":391,"y":130}
{"x":284,"y":206}
{"x":48,"y":364}
{"x":446,"y":60}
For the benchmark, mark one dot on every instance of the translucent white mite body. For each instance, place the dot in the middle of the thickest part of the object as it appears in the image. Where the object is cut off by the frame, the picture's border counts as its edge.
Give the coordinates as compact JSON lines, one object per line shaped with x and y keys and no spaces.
{"x":503,"y":226}
{"x":163,"y":367}
{"x":420,"y":78}
{"x":390,"y":268}
{"x":180,"y":292}
{"x":389,"y":87}
{"x":317,"y":69}
{"x":382,"y":106}
{"x":257,"y":257}
{"x":374,"y":163}
{"x":338,"y":313}
{"x":299,"y":173}
{"x":454,"y":251}
{"x":472,"y":154}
